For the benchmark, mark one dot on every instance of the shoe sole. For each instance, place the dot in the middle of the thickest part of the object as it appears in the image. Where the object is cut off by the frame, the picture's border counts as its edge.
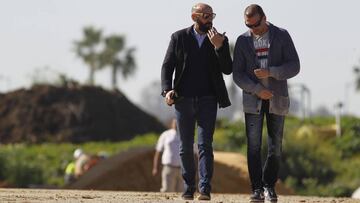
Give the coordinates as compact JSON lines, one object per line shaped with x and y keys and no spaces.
{"x":204,"y":198}
{"x":187,"y":198}
{"x":272,"y":201}
{"x":256,"y":200}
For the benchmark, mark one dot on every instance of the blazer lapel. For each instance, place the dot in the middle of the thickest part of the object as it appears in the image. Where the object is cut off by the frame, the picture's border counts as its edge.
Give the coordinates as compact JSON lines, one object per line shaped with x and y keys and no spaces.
{"x":250,"y":41}
{"x":189,"y":39}
{"x":271,"y":39}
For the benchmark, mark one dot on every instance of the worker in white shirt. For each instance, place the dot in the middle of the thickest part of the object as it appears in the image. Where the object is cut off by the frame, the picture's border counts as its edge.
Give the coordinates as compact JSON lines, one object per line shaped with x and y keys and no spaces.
{"x":169,"y":145}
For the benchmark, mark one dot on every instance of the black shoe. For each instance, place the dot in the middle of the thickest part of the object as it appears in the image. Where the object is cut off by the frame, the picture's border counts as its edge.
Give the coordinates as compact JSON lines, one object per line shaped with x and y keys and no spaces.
{"x":270,"y":194}
{"x":204,"y":196}
{"x":187,"y":195}
{"x":257,"y":196}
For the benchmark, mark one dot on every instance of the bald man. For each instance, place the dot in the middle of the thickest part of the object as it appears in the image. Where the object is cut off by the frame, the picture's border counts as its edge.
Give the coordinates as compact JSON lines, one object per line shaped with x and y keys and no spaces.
{"x":199,"y":55}
{"x":264,"y":59}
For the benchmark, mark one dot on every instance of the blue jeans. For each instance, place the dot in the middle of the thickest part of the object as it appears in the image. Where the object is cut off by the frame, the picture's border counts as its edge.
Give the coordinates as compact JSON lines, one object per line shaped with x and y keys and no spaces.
{"x":201,"y":111}
{"x":267,"y":175}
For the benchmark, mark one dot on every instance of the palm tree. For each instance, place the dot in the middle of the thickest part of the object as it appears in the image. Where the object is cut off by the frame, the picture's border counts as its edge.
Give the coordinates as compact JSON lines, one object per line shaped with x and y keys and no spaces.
{"x":357,"y":73}
{"x":87,"y":49}
{"x":118,"y":58}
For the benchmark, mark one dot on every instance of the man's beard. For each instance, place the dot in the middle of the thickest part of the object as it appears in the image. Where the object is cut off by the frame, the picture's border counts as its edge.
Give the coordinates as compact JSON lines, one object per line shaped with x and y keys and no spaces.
{"x":204,"y":27}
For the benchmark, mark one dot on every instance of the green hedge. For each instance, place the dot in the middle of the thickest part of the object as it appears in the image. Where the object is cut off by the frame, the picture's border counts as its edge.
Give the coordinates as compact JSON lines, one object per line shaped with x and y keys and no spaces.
{"x":43,"y":165}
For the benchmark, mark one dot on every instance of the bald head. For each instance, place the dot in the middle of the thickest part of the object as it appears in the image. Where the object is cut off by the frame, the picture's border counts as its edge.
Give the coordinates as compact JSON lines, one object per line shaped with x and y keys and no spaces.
{"x":201,"y":8}
{"x":202,"y":14}
{"x":254,"y":10}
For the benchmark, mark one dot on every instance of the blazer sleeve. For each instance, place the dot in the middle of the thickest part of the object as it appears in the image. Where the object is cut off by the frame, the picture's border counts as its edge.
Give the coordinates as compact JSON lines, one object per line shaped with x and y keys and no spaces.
{"x":291,"y":65}
{"x":168,"y":66}
{"x":224,"y":58}
{"x":240,"y":75}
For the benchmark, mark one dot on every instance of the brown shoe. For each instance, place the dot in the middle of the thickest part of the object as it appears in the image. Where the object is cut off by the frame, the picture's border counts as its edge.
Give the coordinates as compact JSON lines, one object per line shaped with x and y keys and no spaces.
{"x":187,"y":196}
{"x":204,"y":196}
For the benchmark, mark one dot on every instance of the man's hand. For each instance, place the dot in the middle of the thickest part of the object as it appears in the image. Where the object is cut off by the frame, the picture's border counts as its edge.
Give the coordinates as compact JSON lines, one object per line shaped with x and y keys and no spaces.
{"x":168,"y":97}
{"x":262,"y":73}
{"x":265,"y":94}
{"x":215,"y":38}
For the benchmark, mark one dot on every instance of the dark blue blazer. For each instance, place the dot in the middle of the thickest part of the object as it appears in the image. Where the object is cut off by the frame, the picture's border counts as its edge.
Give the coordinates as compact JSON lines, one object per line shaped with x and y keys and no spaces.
{"x":176,"y":59}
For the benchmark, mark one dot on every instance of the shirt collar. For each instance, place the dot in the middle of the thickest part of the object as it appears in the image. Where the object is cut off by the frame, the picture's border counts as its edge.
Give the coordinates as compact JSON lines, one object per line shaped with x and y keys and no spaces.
{"x":198,"y":34}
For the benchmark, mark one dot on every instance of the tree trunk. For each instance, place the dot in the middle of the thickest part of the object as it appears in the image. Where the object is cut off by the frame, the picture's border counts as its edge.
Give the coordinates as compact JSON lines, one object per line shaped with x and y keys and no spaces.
{"x":93,"y":67}
{"x":91,"y":76}
{"x":114,"y":78}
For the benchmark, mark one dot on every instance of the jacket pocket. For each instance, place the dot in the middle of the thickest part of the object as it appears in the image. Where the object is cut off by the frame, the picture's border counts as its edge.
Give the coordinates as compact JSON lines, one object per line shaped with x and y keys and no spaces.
{"x":284,"y":102}
{"x":280,"y":105}
{"x":250,"y":103}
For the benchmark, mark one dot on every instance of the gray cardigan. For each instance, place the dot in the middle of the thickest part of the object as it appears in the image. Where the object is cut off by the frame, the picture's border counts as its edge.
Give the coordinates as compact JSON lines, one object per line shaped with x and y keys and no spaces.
{"x":283,"y":62}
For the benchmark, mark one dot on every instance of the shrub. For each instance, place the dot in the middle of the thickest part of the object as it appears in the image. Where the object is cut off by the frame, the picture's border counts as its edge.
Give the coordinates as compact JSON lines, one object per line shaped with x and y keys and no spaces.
{"x":23,"y":165}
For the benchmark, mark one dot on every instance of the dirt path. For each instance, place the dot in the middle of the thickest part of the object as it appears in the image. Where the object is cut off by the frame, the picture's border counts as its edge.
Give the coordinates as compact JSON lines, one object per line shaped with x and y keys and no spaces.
{"x":42,"y":195}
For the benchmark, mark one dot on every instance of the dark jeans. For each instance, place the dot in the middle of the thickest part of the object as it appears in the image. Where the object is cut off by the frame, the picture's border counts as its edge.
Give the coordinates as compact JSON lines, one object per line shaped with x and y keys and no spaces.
{"x":201,"y":111}
{"x":267,"y":175}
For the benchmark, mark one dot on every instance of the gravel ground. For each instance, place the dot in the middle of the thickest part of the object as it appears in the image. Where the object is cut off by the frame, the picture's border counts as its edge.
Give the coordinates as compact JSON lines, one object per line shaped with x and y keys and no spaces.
{"x":44,"y":195}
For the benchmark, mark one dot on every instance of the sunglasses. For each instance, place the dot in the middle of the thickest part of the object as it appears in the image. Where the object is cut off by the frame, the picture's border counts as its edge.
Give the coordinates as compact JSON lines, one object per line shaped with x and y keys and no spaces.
{"x":207,"y":15}
{"x":256,"y":24}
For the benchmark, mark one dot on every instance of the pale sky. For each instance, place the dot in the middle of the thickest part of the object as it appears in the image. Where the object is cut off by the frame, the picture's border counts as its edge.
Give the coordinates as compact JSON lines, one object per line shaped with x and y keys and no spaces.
{"x":40,"y":33}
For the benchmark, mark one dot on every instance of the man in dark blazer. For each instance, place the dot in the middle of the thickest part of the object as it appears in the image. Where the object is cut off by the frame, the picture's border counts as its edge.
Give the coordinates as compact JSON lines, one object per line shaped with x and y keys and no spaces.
{"x":199,"y":55}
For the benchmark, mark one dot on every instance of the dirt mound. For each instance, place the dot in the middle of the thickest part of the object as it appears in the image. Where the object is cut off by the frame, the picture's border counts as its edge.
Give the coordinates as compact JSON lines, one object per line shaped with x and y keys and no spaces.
{"x":131,"y":171}
{"x":77,"y":114}
{"x":231,"y":175}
